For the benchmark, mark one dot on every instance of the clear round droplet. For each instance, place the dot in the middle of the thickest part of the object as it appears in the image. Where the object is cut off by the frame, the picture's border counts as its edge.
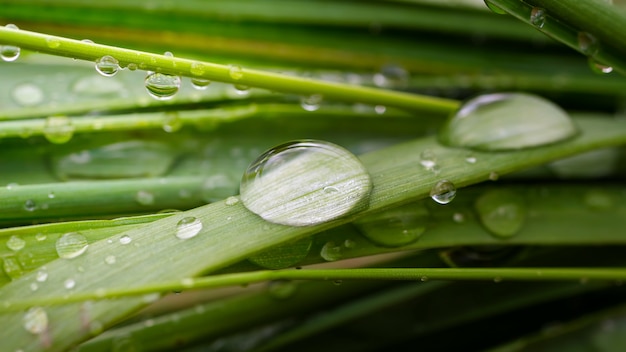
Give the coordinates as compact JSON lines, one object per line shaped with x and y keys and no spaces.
{"x":502,"y":212}
{"x":494,"y":8}
{"x":428,"y":159}
{"x":30,"y":205}
{"x":71,"y":245}
{"x":443,"y":192}
{"x":188,"y":227}
{"x":537,"y":17}
{"x":200,"y":83}
{"x":131,"y":66}
{"x":125,"y":239}
{"x":599,"y":68}
{"x":197,"y":68}
{"x":41,"y":276}
{"x":15,"y":243}
{"x":172,"y":122}
{"x":35,"y":320}
{"x":235,"y":72}
{"x":311,"y":103}
{"x":241,"y":90}
{"x":507,"y":121}
{"x":161,"y":86}
{"x":27,"y":94}
{"x":232,"y":200}
{"x":69,"y":284}
{"x":288,"y":184}
{"x":392,"y":76}
{"x":58,"y":129}
{"x":331,"y":252}
{"x":9,"y":52}
{"x":395,"y":227}
{"x":470,"y":158}
{"x":588,"y":44}
{"x":107,"y":66}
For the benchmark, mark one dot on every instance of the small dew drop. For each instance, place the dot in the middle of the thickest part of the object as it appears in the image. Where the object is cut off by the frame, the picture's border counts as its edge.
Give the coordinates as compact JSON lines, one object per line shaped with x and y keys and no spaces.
{"x":28,"y":94}
{"x":598,"y":67}
{"x":41,"y":276}
{"x":424,"y":278}
{"x":107,"y":66}
{"x":71,"y":245}
{"x":337,"y":282}
{"x":200,"y":83}
{"x":587,"y":43}
{"x":34,"y":286}
{"x":443,"y":192}
{"x":470,"y":158}
{"x":41,"y":237}
{"x":284,"y":255}
{"x":331,"y":252}
{"x":53,"y":42}
{"x":311,"y":103}
{"x":58,"y":129}
{"x":188,"y":227}
{"x":172,"y":122}
{"x":428,"y":159}
{"x":30,"y":205}
{"x":69,"y":284}
{"x":15,"y":243}
{"x":538,"y":17}
{"x":162,"y":86}
{"x":51,"y":195}
{"x":110,"y":259}
{"x":168,"y":54}
{"x":458,"y":218}
{"x":380,"y":109}
{"x":9,"y":52}
{"x":35,"y":320}
{"x":232,"y":200}
{"x":497,"y":279}
{"x":125,"y":239}
{"x":493,"y":176}
{"x":144,"y":198}
{"x":241,"y":90}
{"x":131,"y":66}
{"x":197,"y":68}
{"x":349,"y":243}
{"x":235,"y":72}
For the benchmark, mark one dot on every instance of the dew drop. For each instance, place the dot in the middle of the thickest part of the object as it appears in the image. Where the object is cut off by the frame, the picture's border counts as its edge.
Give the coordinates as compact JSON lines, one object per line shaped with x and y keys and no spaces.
{"x":231,"y":200}
{"x":188,"y":227}
{"x":286,"y":184}
{"x":235,"y":72}
{"x":470,"y":158}
{"x":161,"y":86}
{"x":125,"y":239}
{"x":392,"y":76}
{"x":538,"y":17}
{"x":428,"y":159}
{"x":69,"y":284}
{"x":587,"y":43}
{"x":507,"y":121}
{"x":41,"y":276}
{"x":30,"y":205}
{"x":41,"y":237}
{"x":132,"y":66}
{"x":58,"y":129}
{"x":443,"y":192}
{"x":380,"y":109}
{"x":598,"y":67}
{"x":144,"y":198}
{"x":493,"y":176}
{"x":35,"y":320}
{"x":9,"y":52}
{"x":458,"y":218}
{"x":502,"y":212}
{"x":71,"y":245}
{"x":107,"y":66}
{"x":200,"y":83}
{"x":51,"y":195}
{"x":34,"y":286}
{"x":27,"y":94}
{"x":110,"y":259}
{"x":311,"y":103}
{"x":331,"y":252}
{"x":172,"y":122}
{"x":53,"y":42}
{"x":281,"y":289}
{"x":395,"y":227}
{"x":241,"y":90}
{"x":15,"y":243}
{"x":284,"y":255}
{"x":494,"y":8}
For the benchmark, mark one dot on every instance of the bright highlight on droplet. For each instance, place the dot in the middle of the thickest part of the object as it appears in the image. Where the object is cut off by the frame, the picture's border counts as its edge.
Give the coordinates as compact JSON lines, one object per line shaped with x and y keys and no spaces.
{"x":443,"y":192}
{"x":507,"y":121}
{"x":71,"y":245}
{"x":107,"y":66}
{"x":188,"y":227}
{"x":161,"y":86}
{"x":288,"y":184}
{"x":58,"y":129}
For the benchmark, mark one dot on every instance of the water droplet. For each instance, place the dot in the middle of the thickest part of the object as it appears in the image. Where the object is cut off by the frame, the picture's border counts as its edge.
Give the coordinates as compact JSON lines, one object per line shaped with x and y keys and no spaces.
{"x":331,"y":252}
{"x":197,"y":68}
{"x":71,"y":245}
{"x":231,"y":200}
{"x":443,"y":192}
{"x":27,"y":94}
{"x":200,"y":83}
{"x":458,"y":218}
{"x":286,"y":184}
{"x":144,"y":198}
{"x":35,"y":320}
{"x":470,"y":158}
{"x":58,"y":129}
{"x":53,"y":42}
{"x":125,"y":239}
{"x":15,"y":243}
{"x":41,"y":276}
{"x":395,"y":227}
{"x":235,"y":72}
{"x":497,"y":279}
{"x":392,"y":76}
{"x":588,"y":44}
{"x":380,"y":109}
{"x":172,"y":122}
{"x":131,"y":66}
{"x":538,"y":17}
{"x":12,"y":267}
{"x":506,"y":121}
{"x":9,"y":52}
{"x":502,"y":212}
{"x":69,"y":284}
{"x":281,"y":289}
{"x":493,"y":176}
{"x":161,"y":86}
{"x":34,"y":286}
{"x":110,"y":259}
{"x":428,"y":159}
{"x":168,"y":54}
{"x":311,"y":103}
{"x":284,"y":255}
{"x":188,"y":227}
{"x":495,"y":8}
{"x":241,"y":90}
{"x":107,"y":66}
{"x":51,"y":195}
{"x":598,"y":67}
{"x":41,"y":237}
{"x":30,"y":205}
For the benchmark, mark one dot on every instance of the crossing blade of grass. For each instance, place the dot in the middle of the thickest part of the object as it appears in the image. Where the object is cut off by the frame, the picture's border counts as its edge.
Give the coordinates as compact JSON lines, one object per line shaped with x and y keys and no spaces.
{"x":230,"y":233}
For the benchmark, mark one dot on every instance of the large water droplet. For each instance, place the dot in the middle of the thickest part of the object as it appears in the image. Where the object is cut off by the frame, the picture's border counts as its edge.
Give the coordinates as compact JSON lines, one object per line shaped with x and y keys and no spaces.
{"x":58,"y":129}
{"x":395,"y":227}
{"x":161,"y":86}
{"x":502,"y":212}
{"x":15,"y":243}
{"x":284,"y":255}
{"x":35,"y":320}
{"x":505,"y":121}
{"x":443,"y":192}
{"x":71,"y":245}
{"x":235,"y":72}
{"x":588,"y":43}
{"x":9,"y":52}
{"x":537,"y":17}
{"x":27,"y":94}
{"x":288,"y":184}
{"x":107,"y":66}
{"x":188,"y":227}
